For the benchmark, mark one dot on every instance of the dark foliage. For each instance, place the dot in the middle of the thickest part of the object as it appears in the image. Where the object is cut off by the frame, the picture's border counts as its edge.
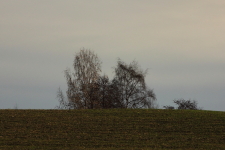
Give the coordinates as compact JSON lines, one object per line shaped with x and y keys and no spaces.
{"x":186,"y":104}
{"x":168,"y":107}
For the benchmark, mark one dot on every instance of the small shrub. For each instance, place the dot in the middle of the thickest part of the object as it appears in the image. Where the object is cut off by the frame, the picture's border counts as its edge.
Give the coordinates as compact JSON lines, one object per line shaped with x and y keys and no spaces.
{"x":168,"y":107}
{"x":186,"y":104}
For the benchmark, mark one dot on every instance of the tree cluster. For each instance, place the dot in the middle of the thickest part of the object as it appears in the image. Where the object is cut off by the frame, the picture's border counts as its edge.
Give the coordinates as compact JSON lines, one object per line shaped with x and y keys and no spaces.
{"x":87,"y":89}
{"x":184,"y":104}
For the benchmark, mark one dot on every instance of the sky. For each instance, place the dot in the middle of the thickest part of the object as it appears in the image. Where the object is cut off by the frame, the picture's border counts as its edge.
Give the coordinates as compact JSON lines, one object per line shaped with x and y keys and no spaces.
{"x":181,"y":43}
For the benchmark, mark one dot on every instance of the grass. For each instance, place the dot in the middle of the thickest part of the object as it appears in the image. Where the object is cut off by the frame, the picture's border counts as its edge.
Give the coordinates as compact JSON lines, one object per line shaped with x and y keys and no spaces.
{"x":112,"y":129}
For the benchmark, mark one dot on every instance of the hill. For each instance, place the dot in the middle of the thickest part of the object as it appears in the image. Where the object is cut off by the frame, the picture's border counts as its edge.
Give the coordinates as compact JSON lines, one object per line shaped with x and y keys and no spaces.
{"x":112,"y":129}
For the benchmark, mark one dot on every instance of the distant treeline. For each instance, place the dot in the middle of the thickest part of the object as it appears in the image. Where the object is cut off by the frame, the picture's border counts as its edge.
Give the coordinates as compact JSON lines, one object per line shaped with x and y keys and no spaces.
{"x":87,"y":89}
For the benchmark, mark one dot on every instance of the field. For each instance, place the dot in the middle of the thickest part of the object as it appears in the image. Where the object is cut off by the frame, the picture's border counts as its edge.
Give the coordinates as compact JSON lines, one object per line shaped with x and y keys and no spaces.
{"x":112,"y":129}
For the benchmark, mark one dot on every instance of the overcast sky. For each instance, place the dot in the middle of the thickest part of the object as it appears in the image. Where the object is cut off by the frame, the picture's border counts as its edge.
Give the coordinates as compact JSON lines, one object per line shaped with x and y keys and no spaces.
{"x":180,"y":42}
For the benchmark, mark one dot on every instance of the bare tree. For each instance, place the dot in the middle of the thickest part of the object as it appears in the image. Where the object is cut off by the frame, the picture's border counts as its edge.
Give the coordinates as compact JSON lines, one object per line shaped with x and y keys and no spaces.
{"x":104,"y":95}
{"x":63,"y":104}
{"x":81,"y":84}
{"x":130,"y":81}
{"x":115,"y":95}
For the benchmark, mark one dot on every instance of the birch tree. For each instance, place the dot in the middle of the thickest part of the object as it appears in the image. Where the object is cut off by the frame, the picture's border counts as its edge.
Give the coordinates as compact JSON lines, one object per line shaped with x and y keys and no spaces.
{"x":81,"y":84}
{"x":130,"y":81}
